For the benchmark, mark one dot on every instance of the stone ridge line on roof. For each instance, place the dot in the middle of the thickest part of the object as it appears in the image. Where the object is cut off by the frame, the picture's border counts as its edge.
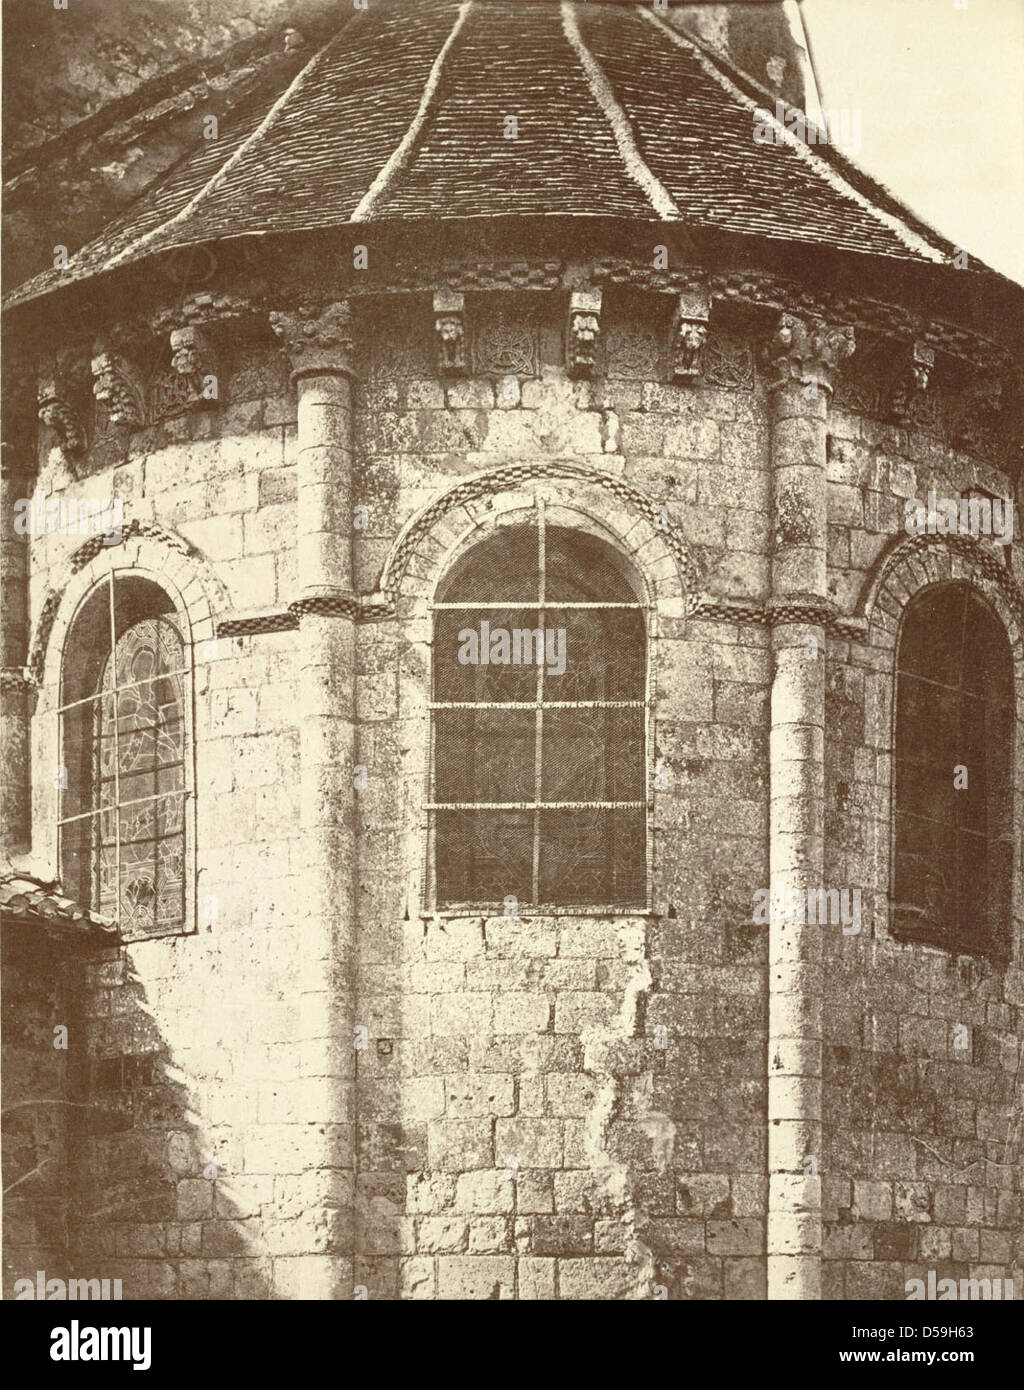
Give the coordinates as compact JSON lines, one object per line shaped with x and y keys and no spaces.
{"x":658,"y":143}
{"x":400,"y":156}
{"x":661,"y":200}
{"x":912,"y":240}
{"x":183,"y":214}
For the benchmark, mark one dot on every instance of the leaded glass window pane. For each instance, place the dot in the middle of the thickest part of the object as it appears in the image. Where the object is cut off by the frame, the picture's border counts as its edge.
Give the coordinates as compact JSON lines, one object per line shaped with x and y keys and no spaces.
{"x":124,"y":749}
{"x":954,"y":709}
{"x":539,"y":724}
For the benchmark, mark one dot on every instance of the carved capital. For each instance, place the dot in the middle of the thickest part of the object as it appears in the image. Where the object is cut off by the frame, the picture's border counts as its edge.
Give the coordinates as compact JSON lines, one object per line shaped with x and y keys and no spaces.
{"x":689,"y":335}
{"x":911,"y":383}
{"x":59,"y":398}
{"x":318,"y":341}
{"x":583,"y":331}
{"x":450,"y":330}
{"x":56,"y":412}
{"x":116,"y":386}
{"x":808,"y":352}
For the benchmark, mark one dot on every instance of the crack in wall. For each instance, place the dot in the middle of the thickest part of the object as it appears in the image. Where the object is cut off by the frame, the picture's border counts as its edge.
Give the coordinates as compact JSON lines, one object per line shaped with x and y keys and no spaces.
{"x":614,"y":1181}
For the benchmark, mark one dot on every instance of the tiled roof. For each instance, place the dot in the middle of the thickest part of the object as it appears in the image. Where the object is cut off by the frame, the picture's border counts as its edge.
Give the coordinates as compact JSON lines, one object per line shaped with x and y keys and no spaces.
{"x":32,"y":900}
{"x":404,"y":114}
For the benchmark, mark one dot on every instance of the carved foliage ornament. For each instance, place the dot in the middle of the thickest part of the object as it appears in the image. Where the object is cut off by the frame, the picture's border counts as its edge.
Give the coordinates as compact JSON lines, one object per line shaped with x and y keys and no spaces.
{"x":117,"y":388}
{"x":807,"y":352}
{"x":318,"y":340}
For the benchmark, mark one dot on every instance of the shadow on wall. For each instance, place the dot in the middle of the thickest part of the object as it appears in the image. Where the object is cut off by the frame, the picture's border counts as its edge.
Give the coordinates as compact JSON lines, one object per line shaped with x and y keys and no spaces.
{"x":109,"y":1172}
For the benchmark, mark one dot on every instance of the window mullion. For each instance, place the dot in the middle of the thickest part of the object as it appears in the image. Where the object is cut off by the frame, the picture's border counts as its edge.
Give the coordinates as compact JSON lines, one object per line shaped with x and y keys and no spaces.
{"x":538,"y":743}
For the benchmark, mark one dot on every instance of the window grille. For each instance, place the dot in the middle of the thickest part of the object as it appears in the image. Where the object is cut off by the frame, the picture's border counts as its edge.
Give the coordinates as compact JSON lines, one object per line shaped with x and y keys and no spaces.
{"x":539,"y":777}
{"x":953,"y":845}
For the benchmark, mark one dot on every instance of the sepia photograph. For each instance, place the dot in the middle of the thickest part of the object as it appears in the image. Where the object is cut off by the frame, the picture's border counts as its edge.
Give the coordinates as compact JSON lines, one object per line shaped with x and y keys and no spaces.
{"x":513,"y":665}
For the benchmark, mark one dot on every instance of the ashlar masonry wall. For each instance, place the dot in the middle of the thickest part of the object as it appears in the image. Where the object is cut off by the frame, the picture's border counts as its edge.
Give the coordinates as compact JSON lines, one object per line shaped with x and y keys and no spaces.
{"x":184,"y":1181}
{"x":562,"y":1106}
{"x":521,"y":1132}
{"x":922,"y":1060}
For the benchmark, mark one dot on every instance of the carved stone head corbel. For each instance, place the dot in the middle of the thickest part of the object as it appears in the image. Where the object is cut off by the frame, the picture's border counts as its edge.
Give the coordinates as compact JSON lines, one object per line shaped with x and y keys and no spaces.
{"x":583,"y":332}
{"x":450,"y":330}
{"x":912,"y":383}
{"x":689,"y":335}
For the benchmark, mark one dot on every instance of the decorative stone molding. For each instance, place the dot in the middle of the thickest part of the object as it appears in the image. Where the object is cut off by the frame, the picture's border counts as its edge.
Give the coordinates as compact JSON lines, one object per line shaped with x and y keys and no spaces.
{"x":319,"y":341}
{"x":117,"y":387}
{"x":511,"y":478}
{"x":582,"y":332}
{"x":506,"y":345}
{"x":503,"y":275}
{"x":912,"y":384}
{"x":166,"y":546}
{"x":793,"y":608}
{"x":276,"y":620}
{"x":58,"y":395}
{"x":689,"y":335}
{"x":895,"y":573}
{"x":807,"y":352}
{"x":767,"y":289}
{"x":641,"y":274}
{"x":204,"y":310}
{"x":450,"y":327}
{"x":343,"y":605}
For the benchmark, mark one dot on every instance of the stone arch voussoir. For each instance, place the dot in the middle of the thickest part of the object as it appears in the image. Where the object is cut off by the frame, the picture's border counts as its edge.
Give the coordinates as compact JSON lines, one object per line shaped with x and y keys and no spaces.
{"x":145,"y":548}
{"x":625,"y":511}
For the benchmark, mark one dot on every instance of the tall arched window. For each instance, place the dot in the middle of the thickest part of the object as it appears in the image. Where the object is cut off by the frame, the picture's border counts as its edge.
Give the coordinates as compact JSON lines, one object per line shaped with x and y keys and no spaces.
{"x":953,"y":851}
{"x":125,"y":758}
{"x":538,"y":720}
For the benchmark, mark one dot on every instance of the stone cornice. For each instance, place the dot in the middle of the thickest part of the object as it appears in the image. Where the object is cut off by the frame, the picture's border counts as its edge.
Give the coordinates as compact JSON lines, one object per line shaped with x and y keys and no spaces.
{"x":955,"y":385}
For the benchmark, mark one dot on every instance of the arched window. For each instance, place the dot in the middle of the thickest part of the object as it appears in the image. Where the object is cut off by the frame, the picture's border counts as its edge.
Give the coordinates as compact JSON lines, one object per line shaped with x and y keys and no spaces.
{"x":125,"y":758}
{"x":953,"y":852}
{"x":538,"y":720}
